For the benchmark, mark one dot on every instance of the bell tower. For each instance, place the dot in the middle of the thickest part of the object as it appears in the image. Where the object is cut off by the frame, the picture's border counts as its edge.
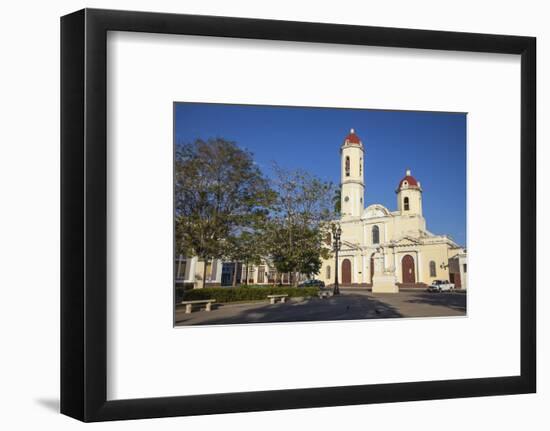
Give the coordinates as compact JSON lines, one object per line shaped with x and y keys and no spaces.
{"x":409,"y":195}
{"x":352,"y":182}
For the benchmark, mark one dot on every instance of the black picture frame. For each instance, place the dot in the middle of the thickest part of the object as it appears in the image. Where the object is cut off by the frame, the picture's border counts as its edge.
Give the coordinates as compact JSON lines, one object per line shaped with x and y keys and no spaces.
{"x":84,"y":214}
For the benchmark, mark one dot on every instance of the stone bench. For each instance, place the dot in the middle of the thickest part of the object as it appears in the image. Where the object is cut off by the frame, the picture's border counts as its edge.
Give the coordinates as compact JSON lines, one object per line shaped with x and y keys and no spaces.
{"x":273,"y":298}
{"x":189,"y":304}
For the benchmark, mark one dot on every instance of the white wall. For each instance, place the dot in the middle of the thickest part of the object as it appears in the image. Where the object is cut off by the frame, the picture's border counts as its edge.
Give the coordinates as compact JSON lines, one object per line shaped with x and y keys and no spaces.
{"x":29,"y":220}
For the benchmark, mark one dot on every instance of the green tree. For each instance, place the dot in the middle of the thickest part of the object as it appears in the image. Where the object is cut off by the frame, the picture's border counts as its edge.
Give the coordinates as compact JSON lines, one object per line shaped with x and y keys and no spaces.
{"x":297,"y":227}
{"x":246,"y":247}
{"x":218,"y":192}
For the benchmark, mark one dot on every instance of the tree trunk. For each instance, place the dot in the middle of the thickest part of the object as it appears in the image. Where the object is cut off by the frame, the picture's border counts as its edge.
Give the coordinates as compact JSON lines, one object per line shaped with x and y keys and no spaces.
{"x":246,"y":273}
{"x":234,"y":283}
{"x":204,"y":273}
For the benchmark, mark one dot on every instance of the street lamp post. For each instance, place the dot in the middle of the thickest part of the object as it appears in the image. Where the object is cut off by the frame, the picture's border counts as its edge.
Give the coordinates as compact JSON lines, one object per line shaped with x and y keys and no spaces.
{"x":336,"y":234}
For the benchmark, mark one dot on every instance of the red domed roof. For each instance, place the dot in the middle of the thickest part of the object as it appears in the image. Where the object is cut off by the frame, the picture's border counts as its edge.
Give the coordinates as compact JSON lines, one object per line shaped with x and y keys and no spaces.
{"x":352,"y":138}
{"x":409,"y":179}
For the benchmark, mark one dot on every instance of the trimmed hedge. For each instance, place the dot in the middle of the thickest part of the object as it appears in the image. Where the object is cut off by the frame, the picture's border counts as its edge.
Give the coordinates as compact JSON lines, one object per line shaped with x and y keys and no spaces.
{"x":247,"y":293}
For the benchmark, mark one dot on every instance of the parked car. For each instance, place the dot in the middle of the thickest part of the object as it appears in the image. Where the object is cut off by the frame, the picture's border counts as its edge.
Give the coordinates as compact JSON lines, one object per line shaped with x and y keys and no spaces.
{"x":441,"y":286}
{"x":312,"y":283}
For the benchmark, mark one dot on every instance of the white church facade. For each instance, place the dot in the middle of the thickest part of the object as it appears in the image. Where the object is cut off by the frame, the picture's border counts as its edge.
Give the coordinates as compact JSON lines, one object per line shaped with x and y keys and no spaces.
{"x":388,"y":250}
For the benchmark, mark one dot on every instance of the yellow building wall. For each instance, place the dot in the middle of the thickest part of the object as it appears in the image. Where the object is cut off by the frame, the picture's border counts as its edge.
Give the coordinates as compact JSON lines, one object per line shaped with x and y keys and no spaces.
{"x":437,"y":253}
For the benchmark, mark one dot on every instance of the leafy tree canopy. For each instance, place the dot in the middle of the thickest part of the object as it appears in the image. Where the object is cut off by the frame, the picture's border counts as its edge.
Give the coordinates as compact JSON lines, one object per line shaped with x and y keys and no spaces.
{"x":218,"y":191}
{"x":225,"y":208}
{"x":298,"y":222}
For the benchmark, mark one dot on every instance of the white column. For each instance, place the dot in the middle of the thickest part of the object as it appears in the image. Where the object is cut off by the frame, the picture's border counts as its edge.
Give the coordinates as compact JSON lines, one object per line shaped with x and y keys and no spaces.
{"x":363,"y":268}
{"x":398,"y":268}
{"x":354,"y":272}
{"x":192,"y":274}
{"x":418,"y":269}
{"x":219,"y":270}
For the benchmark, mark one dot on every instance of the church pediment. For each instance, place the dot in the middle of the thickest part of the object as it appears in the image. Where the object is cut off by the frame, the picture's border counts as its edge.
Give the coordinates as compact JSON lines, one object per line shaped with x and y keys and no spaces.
{"x":406,"y":241}
{"x":349,"y":245}
{"x":375,"y":211}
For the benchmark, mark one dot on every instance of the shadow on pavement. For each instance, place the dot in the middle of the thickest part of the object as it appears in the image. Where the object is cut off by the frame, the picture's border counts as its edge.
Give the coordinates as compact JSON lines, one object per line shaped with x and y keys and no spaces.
{"x":455,"y":301}
{"x":344,"y":307}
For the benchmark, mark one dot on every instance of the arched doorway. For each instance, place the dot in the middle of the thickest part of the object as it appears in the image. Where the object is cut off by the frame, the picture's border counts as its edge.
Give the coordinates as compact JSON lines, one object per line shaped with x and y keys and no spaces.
{"x":407,"y":266}
{"x":346,"y":271}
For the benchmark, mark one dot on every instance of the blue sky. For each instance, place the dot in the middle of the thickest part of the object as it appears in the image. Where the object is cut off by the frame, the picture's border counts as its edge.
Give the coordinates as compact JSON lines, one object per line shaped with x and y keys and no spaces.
{"x":431,"y":144}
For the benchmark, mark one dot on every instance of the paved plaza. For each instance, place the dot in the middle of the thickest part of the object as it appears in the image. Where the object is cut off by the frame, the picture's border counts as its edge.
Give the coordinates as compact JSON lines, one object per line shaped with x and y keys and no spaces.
{"x":350,"y":305}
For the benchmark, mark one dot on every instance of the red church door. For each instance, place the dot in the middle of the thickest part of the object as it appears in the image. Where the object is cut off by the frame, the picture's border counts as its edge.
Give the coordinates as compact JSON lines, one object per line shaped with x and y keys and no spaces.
{"x":346,"y":271}
{"x":458,"y":282}
{"x":407,"y":266}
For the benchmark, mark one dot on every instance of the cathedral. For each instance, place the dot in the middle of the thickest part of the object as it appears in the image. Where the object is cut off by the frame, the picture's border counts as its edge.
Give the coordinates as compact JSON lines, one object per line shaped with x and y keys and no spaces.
{"x":387,"y":250}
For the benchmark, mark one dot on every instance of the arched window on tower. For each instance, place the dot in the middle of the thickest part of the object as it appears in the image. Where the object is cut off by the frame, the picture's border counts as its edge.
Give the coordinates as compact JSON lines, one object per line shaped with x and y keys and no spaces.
{"x":406,"y":204}
{"x":347,"y":166}
{"x":433,"y":272}
{"x":361,"y":166}
{"x":375,"y":235}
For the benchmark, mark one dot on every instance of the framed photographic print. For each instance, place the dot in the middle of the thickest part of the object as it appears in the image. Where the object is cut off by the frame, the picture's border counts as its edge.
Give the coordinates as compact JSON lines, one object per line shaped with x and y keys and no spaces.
{"x":262,"y":215}
{"x":290,"y":212}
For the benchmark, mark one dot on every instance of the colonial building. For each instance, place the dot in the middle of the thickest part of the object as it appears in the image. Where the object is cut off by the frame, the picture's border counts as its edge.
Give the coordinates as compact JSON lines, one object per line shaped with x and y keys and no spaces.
{"x":188,"y":272}
{"x":386,"y":249}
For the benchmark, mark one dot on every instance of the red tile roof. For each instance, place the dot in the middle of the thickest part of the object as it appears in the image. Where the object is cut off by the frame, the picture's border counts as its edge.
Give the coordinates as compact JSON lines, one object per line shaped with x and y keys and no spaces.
{"x":352,"y":138}
{"x":411,"y":181}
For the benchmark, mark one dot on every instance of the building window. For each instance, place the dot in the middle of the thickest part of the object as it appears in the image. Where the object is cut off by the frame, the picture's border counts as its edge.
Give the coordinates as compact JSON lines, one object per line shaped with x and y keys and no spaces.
{"x":432,"y":269}
{"x":261,"y":274}
{"x":464,"y":268}
{"x":361,"y":166}
{"x":375,"y":235}
{"x":181,"y":268}
{"x":328,"y":239}
{"x":328,"y":272}
{"x":406,"y":204}
{"x":347,"y":166}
